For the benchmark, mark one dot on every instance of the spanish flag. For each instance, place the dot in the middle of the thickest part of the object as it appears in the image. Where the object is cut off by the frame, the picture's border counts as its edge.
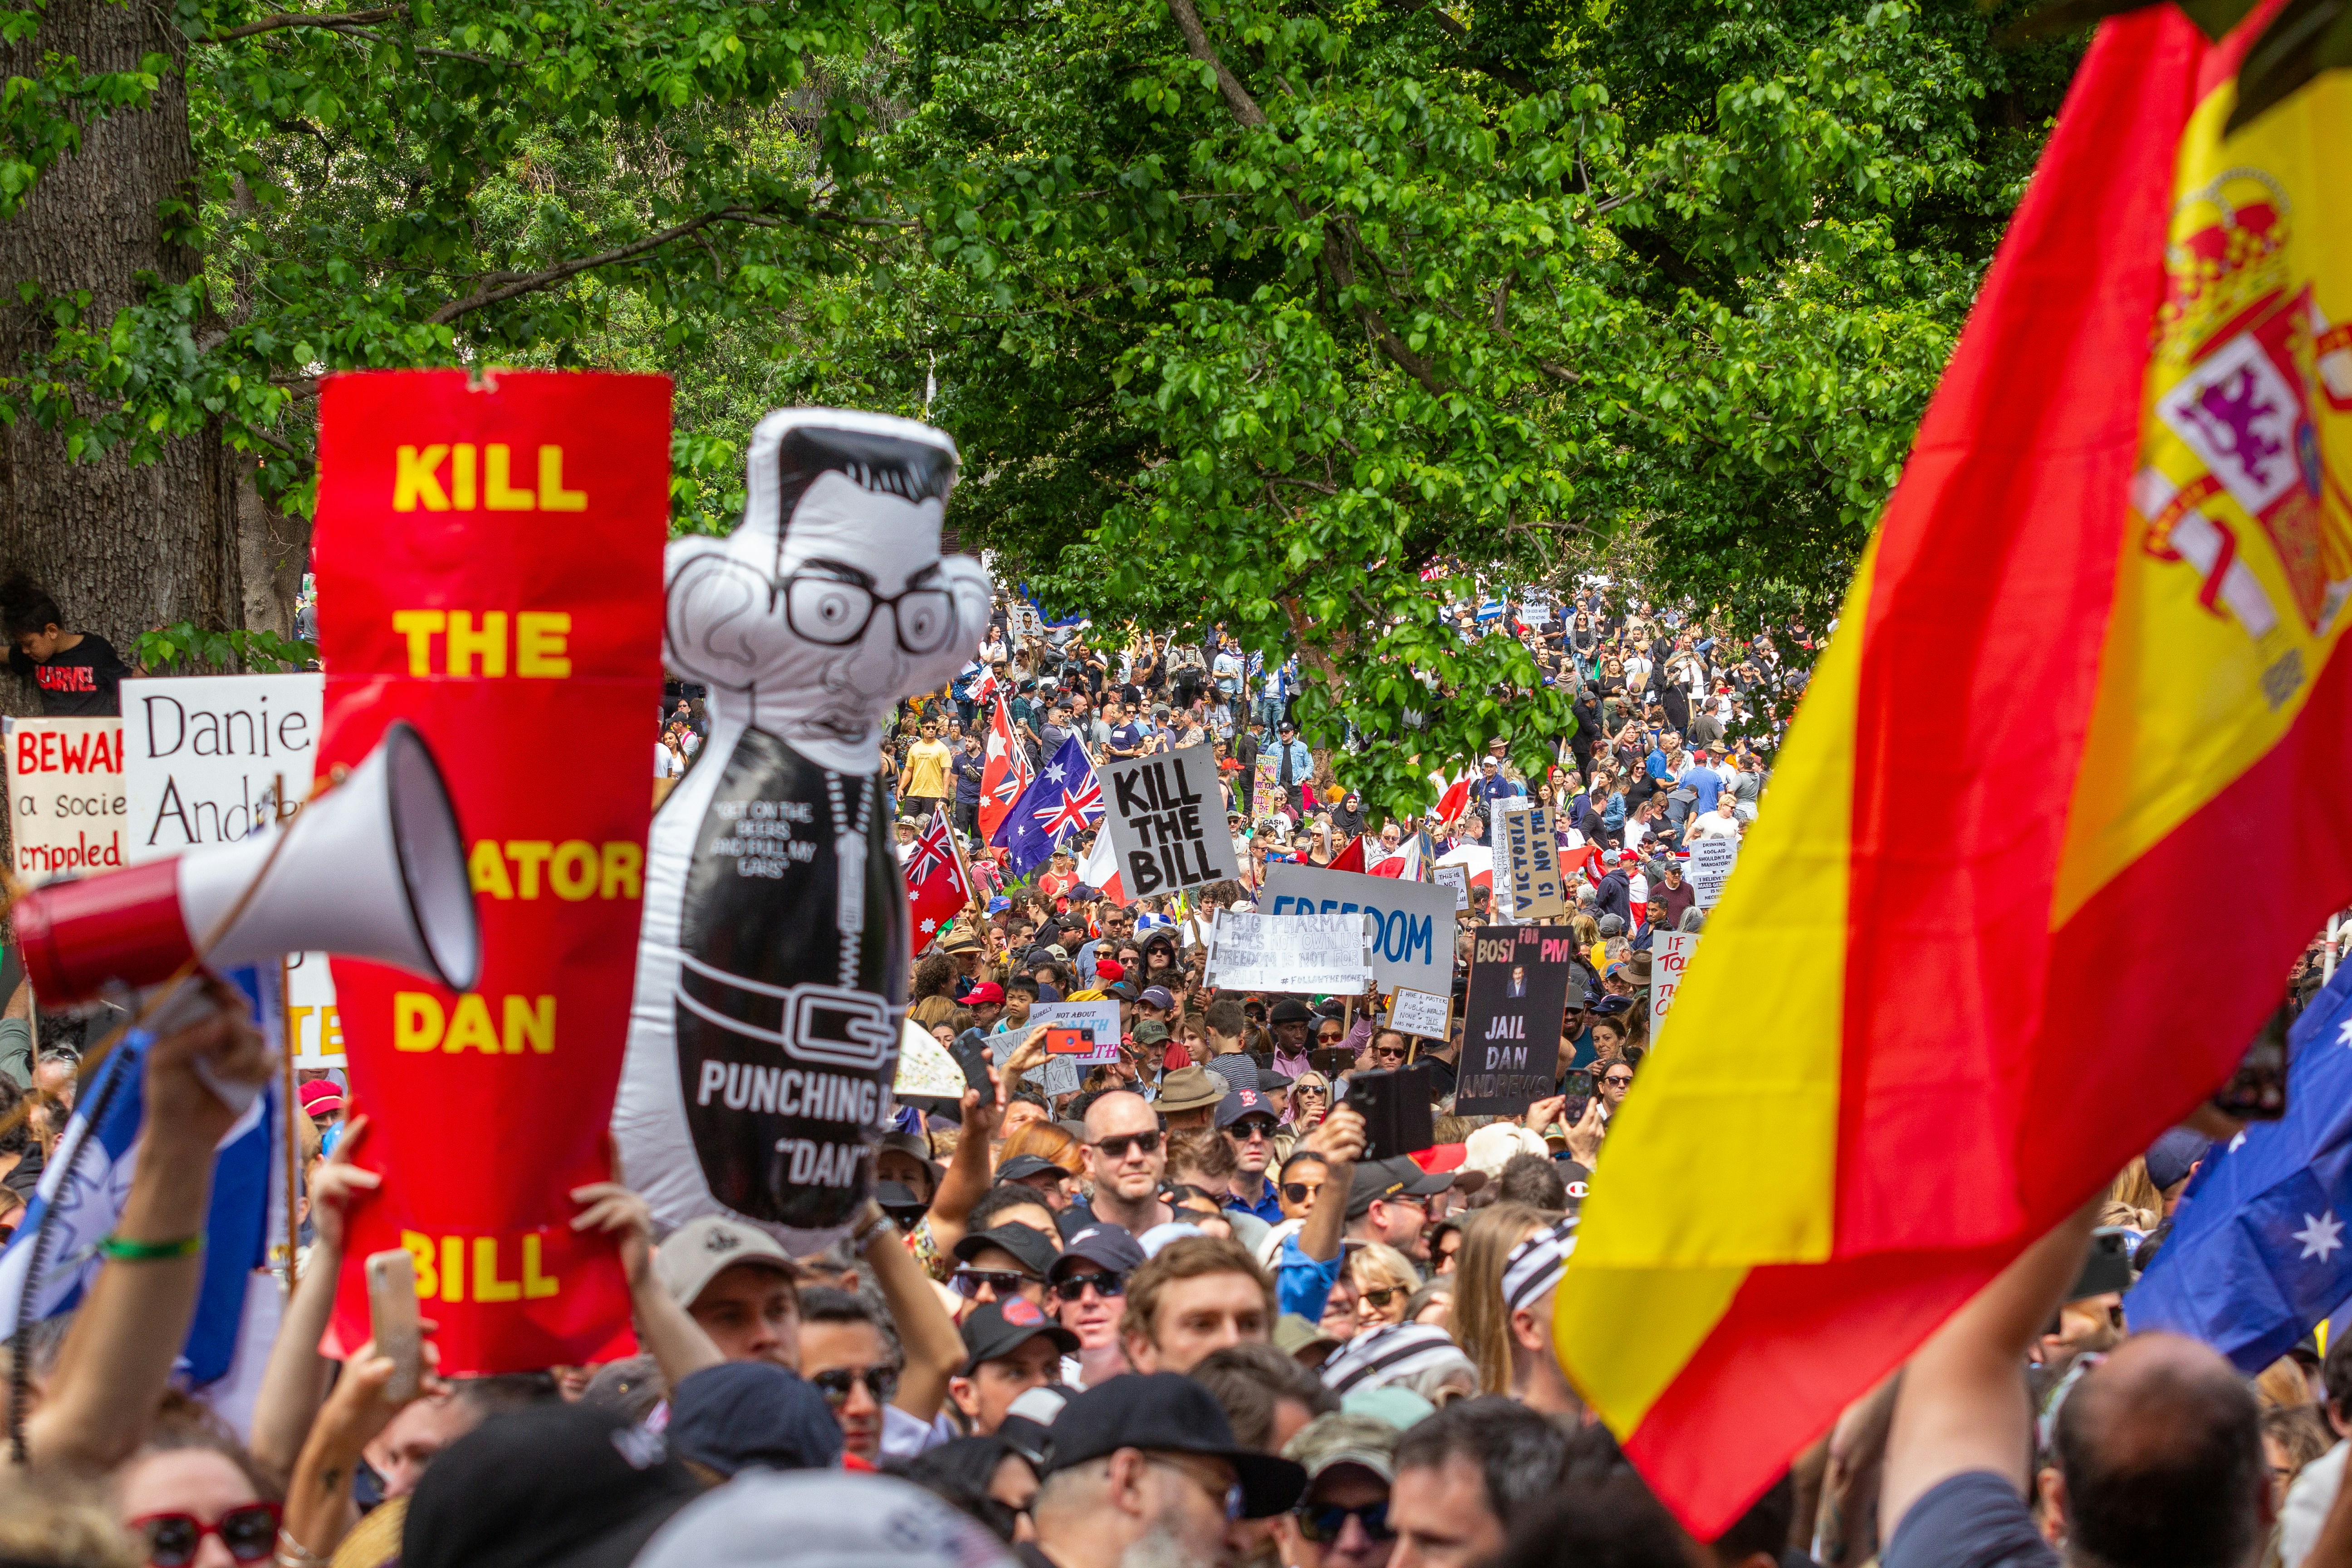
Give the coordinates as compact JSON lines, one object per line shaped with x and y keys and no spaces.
{"x":2064,"y":800}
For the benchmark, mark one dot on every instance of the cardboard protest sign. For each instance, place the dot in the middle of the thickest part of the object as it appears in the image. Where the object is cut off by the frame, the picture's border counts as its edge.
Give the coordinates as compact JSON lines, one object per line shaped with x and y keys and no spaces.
{"x":1309,"y":954}
{"x":1412,"y":943}
{"x":64,"y":796}
{"x":1711,"y":860}
{"x":1167,"y":822}
{"x":1537,"y":890}
{"x":1098,"y":1021}
{"x":1670,"y":954}
{"x":1511,"y":1016}
{"x":1458,"y":878}
{"x":1421,"y":1012}
{"x":1265,"y":790}
{"x":489,"y":569}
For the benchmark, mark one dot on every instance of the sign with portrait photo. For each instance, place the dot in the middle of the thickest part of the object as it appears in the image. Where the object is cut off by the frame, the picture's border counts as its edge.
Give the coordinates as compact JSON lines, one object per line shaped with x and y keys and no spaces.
{"x":1511,"y":1012}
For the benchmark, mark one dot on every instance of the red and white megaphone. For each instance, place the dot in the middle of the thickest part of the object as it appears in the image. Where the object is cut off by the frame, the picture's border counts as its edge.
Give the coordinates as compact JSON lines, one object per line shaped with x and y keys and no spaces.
{"x":374,"y":869}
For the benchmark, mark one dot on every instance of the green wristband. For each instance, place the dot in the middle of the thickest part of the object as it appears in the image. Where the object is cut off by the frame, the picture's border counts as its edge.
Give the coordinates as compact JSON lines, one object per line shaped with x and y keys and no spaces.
{"x":126,"y":1251}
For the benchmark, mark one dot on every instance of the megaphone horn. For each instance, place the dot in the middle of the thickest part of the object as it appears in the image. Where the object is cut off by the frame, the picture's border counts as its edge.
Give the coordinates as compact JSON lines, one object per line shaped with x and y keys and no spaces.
{"x":374,"y":869}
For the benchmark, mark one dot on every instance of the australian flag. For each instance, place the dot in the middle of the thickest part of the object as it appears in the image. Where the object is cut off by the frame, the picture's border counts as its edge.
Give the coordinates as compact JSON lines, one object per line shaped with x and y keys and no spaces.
{"x":1063,"y":798}
{"x":2260,"y":1252}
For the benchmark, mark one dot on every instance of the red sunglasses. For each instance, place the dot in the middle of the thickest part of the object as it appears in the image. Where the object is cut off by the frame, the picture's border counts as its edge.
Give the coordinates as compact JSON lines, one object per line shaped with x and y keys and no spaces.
{"x":249,"y":1533}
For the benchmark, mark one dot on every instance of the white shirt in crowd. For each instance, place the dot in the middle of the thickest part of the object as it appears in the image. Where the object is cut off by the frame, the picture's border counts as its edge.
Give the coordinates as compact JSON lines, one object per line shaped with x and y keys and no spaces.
{"x":1713,"y":824}
{"x":666,"y":762}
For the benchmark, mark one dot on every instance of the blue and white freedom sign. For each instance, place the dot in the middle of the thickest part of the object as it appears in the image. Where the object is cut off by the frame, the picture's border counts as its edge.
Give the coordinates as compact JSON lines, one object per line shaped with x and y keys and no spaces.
{"x":1412,"y":936}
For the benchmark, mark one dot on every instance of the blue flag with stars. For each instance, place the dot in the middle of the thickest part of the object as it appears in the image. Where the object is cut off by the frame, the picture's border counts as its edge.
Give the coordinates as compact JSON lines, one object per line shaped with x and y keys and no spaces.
{"x":2259,"y":1252}
{"x":1063,"y":798}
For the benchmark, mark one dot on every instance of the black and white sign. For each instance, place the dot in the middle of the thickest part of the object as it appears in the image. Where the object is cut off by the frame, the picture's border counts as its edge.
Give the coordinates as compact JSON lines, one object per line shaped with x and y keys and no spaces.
{"x":1315,"y":954}
{"x":1421,"y":1012}
{"x":1167,"y":822}
{"x":1711,"y":860}
{"x":1457,"y":876}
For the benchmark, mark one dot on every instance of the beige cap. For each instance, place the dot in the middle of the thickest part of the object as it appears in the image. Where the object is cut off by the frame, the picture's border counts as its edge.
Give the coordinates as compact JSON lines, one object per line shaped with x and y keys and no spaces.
{"x":696,"y":1251}
{"x":1344,"y":1439}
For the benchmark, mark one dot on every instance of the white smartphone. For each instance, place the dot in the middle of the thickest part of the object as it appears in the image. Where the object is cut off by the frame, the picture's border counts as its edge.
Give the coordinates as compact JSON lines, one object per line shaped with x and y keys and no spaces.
{"x":393,"y":1315}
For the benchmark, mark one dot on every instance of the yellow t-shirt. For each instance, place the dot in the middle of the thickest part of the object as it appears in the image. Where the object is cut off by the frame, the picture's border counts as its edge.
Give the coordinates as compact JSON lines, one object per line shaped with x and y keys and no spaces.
{"x":927,"y":770}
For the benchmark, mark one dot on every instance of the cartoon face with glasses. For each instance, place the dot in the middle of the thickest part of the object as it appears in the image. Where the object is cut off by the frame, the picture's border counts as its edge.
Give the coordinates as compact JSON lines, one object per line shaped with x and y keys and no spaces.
{"x":772,"y":976}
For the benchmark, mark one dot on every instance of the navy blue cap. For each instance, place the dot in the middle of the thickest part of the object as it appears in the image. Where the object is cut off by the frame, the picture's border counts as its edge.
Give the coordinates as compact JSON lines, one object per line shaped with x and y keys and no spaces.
{"x":742,"y":1414}
{"x":1103,"y":1244}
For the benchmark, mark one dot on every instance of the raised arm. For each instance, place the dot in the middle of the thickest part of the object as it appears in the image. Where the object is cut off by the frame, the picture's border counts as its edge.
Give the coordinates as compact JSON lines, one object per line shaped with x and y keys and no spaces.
{"x":295,"y":1380}
{"x":934,"y":1348}
{"x":1963,"y":1405}
{"x":117,"y":1356}
{"x":678,"y":1345}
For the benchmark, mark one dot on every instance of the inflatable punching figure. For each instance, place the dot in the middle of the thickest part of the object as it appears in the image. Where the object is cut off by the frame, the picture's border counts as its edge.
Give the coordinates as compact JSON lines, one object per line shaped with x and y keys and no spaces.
{"x":771,"y":974}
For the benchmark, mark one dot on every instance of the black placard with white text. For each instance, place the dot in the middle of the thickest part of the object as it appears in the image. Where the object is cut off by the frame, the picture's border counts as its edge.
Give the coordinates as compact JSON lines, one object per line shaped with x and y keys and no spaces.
{"x":1511,"y":1013}
{"x":1167,"y":822}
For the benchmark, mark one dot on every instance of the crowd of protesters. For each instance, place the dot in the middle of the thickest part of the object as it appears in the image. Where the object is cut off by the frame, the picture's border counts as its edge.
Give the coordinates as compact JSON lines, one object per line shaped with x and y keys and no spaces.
{"x":1170,"y":1315}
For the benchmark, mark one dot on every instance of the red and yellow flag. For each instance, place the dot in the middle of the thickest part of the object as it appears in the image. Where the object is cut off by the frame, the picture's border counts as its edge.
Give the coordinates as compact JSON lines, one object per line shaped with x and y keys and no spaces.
{"x":2062,"y":803}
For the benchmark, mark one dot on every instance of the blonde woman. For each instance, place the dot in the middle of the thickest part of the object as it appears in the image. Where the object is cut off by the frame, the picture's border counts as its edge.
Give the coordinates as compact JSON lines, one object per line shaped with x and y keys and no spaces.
{"x":1385,"y":1280}
{"x":1310,"y":1101}
{"x":1479,"y":1322}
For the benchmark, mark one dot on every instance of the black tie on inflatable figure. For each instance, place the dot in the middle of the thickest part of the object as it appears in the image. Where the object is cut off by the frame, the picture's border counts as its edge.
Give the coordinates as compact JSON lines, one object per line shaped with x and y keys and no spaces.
{"x":771,"y":977}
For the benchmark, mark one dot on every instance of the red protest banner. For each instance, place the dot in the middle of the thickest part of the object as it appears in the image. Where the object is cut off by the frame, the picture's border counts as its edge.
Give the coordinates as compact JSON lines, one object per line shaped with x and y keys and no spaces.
{"x":490,"y":568}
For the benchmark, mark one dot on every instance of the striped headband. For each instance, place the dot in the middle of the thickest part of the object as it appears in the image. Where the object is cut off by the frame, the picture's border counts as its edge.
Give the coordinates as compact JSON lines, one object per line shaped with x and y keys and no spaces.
{"x":1386,"y":1354}
{"x":1536,"y":1264}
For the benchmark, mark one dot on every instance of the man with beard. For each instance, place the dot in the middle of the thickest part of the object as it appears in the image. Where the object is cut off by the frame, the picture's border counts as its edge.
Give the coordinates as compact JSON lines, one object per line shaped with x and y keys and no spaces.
{"x":1146,"y":1474}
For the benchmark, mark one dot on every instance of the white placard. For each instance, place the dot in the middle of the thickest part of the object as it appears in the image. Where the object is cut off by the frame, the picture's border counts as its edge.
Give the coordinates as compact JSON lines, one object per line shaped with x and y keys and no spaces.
{"x":65,"y":807}
{"x":1670,"y":954}
{"x":1458,"y":878}
{"x":1099,"y":1019}
{"x":317,"y":1028}
{"x":1166,"y":818}
{"x":1413,"y":944}
{"x":1320,"y":954}
{"x":1533,"y":861}
{"x":1711,"y":860}
{"x":202,"y":758}
{"x":1421,"y":1012}
{"x":203,"y":754}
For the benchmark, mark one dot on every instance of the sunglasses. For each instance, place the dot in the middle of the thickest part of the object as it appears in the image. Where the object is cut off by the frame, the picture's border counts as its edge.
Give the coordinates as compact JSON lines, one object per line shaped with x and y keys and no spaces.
{"x":967,"y":1282}
{"x":1074,"y":1287}
{"x":1383,"y":1296}
{"x":835,"y":1383}
{"x":249,"y":1533}
{"x":1329,"y":1036}
{"x":1299,"y":1191}
{"x":1253,"y":1131}
{"x":1116,"y":1146}
{"x":1322,"y":1521}
{"x":1386,"y":1054}
{"x":1616,"y":1077}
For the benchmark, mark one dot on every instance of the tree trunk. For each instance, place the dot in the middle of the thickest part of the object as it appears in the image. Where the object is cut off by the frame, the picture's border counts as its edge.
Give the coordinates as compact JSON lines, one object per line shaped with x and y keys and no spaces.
{"x":119,"y":548}
{"x":273,"y":552}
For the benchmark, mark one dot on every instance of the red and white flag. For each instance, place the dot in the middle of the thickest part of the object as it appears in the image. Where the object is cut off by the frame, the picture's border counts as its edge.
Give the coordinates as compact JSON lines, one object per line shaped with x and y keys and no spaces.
{"x":1100,"y":869}
{"x":1004,"y":772}
{"x":936,"y":892}
{"x":1352,"y":858}
{"x":1404,"y":865}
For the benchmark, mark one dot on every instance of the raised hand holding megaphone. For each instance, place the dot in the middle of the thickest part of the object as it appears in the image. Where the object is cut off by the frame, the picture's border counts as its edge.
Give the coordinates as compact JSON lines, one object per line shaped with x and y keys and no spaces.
{"x":373,"y":868}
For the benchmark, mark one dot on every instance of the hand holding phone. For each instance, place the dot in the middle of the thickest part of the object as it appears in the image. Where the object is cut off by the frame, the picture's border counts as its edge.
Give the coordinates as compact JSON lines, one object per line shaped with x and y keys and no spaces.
{"x":395,"y":1321}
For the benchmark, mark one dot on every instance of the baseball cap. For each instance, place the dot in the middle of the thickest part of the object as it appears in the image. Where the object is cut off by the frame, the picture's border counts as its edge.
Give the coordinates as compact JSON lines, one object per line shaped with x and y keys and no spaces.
{"x":321,"y":1097}
{"x":742,"y":1414}
{"x":696,"y":1252}
{"x":1189,"y":1088}
{"x":548,"y":1484}
{"x":1391,"y":1178}
{"x":1149,"y":1032}
{"x":997,"y":1329}
{"x":1294,"y":1335}
{"x":1105,"y":1244}
{"x":899,"y":1201}
{"x":1023,"y":1166}
{"x":984,"y":993}
{"x":1240,"y":1103}
{"x":1157,"y":996}
{"x":2170,"y":1157}
{"x":1340,"y":1439}
{"x":1169,"y":1413}
{"x":837,"y":1518}
{"x":1035,"y":1250}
